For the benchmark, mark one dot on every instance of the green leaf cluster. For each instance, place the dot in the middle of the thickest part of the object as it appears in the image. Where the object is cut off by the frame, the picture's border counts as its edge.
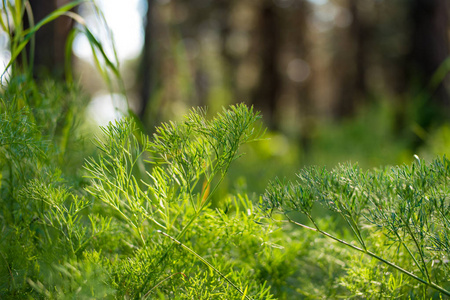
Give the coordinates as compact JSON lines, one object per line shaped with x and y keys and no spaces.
{"x":158,"y":189}
{"x":396,"y":216}
{"x":134,"y":220}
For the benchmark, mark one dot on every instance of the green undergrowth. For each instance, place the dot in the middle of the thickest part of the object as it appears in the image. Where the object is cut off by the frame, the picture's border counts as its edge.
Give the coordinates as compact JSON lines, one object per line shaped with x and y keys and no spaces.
{"x":135,"y":221}
{"x":139,"y":217}
{"x":396,"y":219}
{"x":180,"y":215}
{"x":134,"y":217}
{"x":370,"y":138}
{"x":161,"y":217}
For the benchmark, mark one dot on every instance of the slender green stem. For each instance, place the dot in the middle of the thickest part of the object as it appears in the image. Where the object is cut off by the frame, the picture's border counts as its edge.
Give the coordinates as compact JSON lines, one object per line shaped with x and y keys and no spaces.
{"x":204,"y":261}
{"x":353,"y":226}
{"x":430,"y":284}
{"x":410,"y":253}
{"x":197,"y":213}
{"x":183,"y":231}
{"x":446,"y":221}
{"x":161,"y":282}
{"x":131,"y":223}
{"x":357,"y":231}
{"x":10,"y":271}
{"x":419,"y":249}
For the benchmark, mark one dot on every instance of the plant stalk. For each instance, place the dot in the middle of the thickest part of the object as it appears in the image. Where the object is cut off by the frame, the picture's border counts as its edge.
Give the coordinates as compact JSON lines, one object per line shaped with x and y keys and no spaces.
{"x":430,"y":284}
{"x":205,"y":262}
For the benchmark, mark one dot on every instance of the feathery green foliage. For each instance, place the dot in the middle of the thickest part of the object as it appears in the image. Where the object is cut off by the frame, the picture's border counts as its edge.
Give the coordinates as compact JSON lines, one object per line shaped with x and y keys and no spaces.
{"x":142,"y":217}
{"x":408,"y":205}
{"x":126,"y":224}
{"x":186,"y":162}
{"x":136,"y":225}
{"x":136,"y":220}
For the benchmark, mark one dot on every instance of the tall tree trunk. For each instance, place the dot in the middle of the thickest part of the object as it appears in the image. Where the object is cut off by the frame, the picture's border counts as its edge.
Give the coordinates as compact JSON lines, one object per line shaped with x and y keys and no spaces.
{"x":230,"y":62}
{"x":49,"y":51}
{"x":302,"y":46}
{"x":147,"y":63}
{"x":350,"y":65}
{"x":429,"y":47}
{"x":266,"y":94}
{"x":360,"y":32}
{"x":430,"y":43}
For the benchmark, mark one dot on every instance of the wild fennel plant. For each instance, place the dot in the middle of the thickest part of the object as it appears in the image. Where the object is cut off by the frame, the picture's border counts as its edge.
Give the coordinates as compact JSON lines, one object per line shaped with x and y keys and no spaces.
{"x":408,"y":204}
{"x":42,"y":212}
{"x":184,"y":159}
{"x":143,"y":229}
{"x":140,"y":223}
{"x":187,"y":162}
{"x":112,"y":233}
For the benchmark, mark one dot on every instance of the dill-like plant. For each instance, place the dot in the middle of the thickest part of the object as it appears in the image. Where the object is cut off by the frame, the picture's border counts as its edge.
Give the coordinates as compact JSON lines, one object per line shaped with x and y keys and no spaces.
{"x":127,"y":224}
{"x":136,"y":221}
{"x":408,"y":205}
{"x":158,"y":188}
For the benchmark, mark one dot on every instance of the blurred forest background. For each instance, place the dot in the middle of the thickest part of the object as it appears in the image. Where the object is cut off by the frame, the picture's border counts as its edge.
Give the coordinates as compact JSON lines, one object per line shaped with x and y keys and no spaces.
{"x":336,"y":80}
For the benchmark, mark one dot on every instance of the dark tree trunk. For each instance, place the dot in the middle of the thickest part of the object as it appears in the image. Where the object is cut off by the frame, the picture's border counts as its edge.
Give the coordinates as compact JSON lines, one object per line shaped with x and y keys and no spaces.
{"x":430,"y":43}
{"x":49,"y":51}
{"x":266,"y":94}
{"x":147,"y":63}
{"x":230,"y":62}
{"x":298,"y":36}
{"x":350,"y":65}
{"x":359,"y":29}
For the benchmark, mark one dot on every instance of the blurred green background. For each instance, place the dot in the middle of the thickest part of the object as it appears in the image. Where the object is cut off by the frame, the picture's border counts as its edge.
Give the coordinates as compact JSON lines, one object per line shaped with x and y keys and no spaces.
{"x":336,"y":80}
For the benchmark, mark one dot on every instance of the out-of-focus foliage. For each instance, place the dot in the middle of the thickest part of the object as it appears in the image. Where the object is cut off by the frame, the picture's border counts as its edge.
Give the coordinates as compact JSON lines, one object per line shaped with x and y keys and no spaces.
{"x":299,"y":61}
